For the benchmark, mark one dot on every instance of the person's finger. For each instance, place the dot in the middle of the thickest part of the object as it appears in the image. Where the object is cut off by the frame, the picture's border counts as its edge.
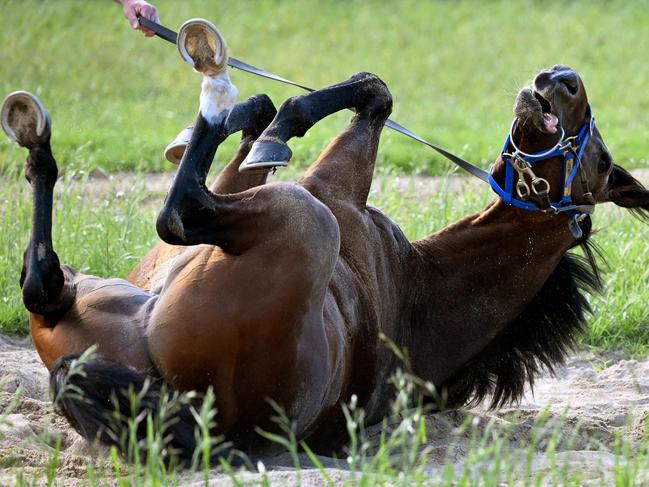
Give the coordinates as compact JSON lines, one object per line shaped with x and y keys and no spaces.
{"x":148,"y":11}
{"x":130,"y":14}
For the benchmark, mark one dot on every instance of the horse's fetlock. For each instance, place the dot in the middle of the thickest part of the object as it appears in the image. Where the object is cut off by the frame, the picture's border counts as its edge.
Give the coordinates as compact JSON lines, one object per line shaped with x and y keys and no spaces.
{"x":264,"y":104}
{"x":41,"y":163}
{"x":265,"y":111}
{"x":375,"y":99}
{"x":363,"y":76}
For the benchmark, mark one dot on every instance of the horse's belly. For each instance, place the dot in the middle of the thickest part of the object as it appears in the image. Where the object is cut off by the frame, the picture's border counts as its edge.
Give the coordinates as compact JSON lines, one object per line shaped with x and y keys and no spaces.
{"x":186,"y":331}
{"x":219,"y":322}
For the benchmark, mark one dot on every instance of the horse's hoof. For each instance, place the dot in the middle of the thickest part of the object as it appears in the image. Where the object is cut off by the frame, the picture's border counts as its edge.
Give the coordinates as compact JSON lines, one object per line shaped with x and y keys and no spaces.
{"x":24,"y":119}
{"x":176,"y":149}
{"x":202,"y":45}
{"x":266,"y":155}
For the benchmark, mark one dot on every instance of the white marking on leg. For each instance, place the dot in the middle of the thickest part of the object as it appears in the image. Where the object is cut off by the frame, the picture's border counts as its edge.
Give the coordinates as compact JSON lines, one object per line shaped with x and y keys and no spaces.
{"x":218,"y":96}
{"x":40,"y":251}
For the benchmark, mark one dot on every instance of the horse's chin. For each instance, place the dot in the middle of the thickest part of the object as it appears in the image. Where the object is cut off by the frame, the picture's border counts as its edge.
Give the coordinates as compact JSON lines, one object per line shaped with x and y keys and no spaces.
{"x":533,"y":110}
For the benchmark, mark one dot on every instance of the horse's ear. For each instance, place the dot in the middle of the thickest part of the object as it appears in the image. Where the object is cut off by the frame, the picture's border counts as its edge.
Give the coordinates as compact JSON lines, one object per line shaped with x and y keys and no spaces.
{"x":626,"y":191}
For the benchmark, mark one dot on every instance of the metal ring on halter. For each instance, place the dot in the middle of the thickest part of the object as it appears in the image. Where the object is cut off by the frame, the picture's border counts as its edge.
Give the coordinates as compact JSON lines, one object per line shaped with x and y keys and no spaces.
{"x":540,"y":181}
{"x":558,"y":145}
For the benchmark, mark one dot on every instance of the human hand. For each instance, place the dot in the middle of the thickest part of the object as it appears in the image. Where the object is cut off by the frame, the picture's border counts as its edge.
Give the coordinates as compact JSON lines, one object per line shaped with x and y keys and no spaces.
{"x":135,"y":8}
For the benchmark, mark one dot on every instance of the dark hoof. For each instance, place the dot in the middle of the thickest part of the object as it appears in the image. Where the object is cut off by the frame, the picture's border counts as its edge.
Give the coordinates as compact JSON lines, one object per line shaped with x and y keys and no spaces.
{"x":265,"y":155}
{"x":202,"y":45}
{"x":24,"y":119}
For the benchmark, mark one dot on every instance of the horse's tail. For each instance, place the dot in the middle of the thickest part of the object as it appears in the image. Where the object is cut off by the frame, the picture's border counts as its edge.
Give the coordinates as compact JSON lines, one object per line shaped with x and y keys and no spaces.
{"x":99,"y":396}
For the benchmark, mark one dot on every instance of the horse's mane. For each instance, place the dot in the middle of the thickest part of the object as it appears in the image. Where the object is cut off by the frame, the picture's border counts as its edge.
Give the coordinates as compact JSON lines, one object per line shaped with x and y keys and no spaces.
{"x":540,"y":337}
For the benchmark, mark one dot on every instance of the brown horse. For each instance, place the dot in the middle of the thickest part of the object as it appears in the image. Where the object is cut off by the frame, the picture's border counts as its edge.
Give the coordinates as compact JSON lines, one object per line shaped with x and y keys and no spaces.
{"x":281,"y":290}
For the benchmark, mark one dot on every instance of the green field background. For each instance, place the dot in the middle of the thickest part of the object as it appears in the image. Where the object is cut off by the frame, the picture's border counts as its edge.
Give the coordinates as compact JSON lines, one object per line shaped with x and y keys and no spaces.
{"x":453,"y":67}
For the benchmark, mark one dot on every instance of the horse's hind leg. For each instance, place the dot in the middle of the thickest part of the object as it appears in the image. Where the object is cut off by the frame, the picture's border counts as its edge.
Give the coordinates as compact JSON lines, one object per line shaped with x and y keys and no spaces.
{"x":346,"y":167}
{"x":252,"y":116}
{"x":194,"y":215}
{"x":44,"y":286}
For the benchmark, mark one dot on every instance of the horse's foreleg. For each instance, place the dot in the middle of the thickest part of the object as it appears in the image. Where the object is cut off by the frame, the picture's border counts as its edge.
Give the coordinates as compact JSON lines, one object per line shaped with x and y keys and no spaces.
{"x":350,"y":159}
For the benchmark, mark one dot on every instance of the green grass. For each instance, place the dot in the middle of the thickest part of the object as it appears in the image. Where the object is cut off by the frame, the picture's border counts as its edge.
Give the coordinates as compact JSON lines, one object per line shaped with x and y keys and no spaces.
{"x":453,"y":67}
{"x":105,"y":237}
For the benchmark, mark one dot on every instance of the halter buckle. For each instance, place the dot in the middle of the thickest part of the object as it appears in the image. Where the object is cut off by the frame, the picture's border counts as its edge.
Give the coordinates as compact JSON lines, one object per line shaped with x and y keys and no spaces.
{"x":575,"y":229}
{"x":540,"y":186}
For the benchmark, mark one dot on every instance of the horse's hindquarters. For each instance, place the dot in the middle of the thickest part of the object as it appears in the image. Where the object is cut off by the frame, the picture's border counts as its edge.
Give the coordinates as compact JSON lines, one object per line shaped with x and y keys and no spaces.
{"x":241,"y":323}
{"x":235,"y":326}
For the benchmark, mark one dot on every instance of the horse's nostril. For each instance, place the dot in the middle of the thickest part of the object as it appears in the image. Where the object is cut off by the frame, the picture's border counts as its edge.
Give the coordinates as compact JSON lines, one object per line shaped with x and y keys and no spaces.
{"x":568,"y":78}
{"x":542,"y":80}
{"x":570,"y":86}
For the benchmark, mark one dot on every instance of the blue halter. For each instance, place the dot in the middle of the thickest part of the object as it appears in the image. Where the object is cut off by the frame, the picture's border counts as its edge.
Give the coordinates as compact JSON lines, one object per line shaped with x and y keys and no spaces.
{"x":517,"y":161}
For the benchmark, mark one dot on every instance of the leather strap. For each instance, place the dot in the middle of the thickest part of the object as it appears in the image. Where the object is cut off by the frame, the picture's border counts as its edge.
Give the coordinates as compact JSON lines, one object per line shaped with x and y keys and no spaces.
{"x":161,"y":31}
{"x":171,"y":36}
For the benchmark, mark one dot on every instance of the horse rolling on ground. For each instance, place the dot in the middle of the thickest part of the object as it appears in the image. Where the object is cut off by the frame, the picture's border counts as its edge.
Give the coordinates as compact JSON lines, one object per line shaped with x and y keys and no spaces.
{"x":282,"y":290}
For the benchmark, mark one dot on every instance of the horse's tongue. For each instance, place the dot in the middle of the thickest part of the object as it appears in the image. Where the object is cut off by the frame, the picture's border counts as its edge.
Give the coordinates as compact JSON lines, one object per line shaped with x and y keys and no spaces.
{"x":550,"y":120}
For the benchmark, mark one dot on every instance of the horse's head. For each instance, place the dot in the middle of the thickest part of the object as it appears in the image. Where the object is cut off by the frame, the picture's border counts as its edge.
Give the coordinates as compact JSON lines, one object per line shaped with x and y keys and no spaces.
{"x":557,"y":155}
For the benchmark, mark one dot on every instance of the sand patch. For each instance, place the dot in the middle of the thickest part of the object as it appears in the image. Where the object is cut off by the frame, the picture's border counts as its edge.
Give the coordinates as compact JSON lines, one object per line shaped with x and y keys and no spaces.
{"x":591,"y":397}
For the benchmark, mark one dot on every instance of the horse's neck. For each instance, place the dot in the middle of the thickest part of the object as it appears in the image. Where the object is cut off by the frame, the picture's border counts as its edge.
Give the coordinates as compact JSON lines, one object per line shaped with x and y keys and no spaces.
{"x":476,"y":276}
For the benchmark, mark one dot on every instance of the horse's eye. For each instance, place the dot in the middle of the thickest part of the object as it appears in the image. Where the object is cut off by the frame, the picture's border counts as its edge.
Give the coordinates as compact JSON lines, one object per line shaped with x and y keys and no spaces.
{"x":605,"y":162}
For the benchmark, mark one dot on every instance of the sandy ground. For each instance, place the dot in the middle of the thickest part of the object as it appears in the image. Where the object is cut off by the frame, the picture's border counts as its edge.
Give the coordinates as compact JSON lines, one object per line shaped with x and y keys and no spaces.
{"x":593,"y":397}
